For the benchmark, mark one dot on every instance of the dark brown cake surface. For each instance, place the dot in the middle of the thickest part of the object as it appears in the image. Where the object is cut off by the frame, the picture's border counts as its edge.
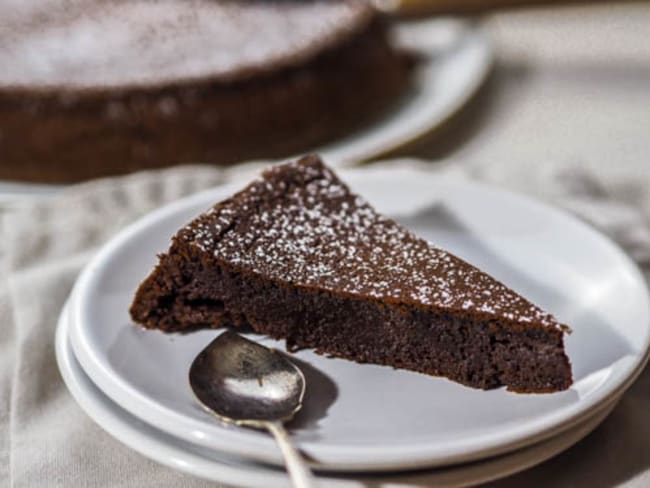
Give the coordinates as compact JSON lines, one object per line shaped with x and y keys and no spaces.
{"x":298,"y":255}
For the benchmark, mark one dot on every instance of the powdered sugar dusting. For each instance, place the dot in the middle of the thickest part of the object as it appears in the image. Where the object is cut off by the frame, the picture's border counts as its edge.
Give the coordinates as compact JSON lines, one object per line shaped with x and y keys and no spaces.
{"x":300,"y":224}
{"x":90,"y":43}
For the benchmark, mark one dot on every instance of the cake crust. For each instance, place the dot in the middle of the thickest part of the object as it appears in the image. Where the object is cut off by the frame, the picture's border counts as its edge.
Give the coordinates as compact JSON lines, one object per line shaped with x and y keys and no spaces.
{"x":297,"y":255}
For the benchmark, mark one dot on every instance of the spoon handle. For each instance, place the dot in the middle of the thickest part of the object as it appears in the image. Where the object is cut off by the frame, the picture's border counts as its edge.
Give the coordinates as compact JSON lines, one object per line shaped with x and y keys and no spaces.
{"x":301,"y":476}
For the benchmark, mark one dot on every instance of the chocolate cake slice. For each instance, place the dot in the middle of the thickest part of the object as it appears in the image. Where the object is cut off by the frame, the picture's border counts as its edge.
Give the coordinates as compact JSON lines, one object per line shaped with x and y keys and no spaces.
{"x":297,"y":255}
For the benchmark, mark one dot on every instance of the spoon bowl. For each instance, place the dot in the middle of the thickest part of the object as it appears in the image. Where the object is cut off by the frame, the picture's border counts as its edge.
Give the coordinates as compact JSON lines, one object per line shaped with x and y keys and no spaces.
{"x":244,"y":382}
{"x":248,"y":384}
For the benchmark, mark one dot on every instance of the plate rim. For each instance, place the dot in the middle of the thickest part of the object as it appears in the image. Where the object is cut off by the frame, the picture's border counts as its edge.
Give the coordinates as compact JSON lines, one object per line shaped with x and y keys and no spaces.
{"x":187,"y":462}
{"x":341,"y":152}
{"x":416,"y":457}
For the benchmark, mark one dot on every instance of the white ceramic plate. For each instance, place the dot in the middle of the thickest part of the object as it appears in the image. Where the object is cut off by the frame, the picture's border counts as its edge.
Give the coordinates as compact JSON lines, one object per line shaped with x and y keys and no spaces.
{"x":219,"y":467}
{"x":455,"y":59}
{"x":366,"y":417}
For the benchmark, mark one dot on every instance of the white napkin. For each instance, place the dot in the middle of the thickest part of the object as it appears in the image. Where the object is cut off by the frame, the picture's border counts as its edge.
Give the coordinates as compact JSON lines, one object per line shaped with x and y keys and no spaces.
{"x":46,"y":440}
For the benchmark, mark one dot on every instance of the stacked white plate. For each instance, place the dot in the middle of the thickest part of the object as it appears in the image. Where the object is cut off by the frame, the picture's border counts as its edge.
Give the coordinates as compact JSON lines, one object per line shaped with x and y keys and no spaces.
{"x":378,"y":423}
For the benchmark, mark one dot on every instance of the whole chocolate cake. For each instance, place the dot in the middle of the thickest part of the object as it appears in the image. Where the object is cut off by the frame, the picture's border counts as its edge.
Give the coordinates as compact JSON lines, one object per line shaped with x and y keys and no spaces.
{"x":297,"y":255}
{"x":91,"y":87}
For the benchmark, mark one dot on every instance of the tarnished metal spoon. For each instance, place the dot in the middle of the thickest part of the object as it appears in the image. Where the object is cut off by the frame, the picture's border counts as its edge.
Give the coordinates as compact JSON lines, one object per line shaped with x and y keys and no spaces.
{"x":248,"y":384}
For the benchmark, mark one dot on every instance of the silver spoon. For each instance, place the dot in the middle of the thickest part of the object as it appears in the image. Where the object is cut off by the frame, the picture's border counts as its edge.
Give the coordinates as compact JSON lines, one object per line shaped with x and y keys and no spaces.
{"x":248,"y":384}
